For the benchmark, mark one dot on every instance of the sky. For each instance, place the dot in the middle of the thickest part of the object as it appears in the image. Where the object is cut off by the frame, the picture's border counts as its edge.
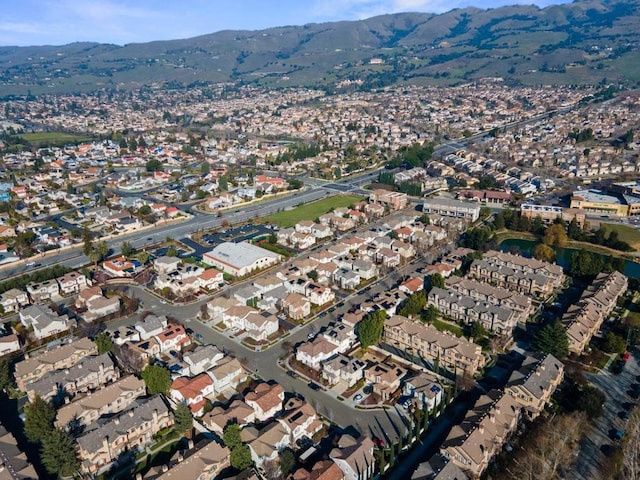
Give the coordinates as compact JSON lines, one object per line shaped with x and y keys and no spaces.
{"x":58,"y":22}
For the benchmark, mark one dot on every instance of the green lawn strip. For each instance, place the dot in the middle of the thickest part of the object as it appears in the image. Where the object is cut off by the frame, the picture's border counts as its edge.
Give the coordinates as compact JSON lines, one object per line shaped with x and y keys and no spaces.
{"x":446,"y":326}
{"x":311,"y":211}
{"x":626,"y":233}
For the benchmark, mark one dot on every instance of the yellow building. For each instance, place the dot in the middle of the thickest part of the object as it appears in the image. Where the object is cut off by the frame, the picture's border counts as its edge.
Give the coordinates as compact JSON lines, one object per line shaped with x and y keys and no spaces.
{"x":599,"y":203}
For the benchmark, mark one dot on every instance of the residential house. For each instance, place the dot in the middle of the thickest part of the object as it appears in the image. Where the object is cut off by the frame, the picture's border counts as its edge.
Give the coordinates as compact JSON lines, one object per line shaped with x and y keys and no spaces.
{"x":173,"y":337}
{"x":343,"y":368}
{"x":300,"y":420}
{"x":211,"y":279}
{"x":120,"y":267}
{"x":44,"y":321}
{"x":151,"y":326}
{"x":296,"y":306}
{"x":424,"y":389}
{"x":13,"y":300}
{"x":227,"y":374}
{"x":72,"y":282}
{"x":42,"y":292}
{"x":265,"y":444}
{"x":130,"y":430}
{"x":394,"y":200}
{"x":315,"y":352}
{"x":386,"y":378}
{"x":105,"y":401}
{"x":202,"y":358}
{"x":321,"y":470}
{"x":193,"y":391}
{"x":266,"y":400}
{"x":9,"y":344}
{"x":354,"y":457}
{"x":438,"y":467}
{"x":207,"y":462}
{"x":237,"y":411}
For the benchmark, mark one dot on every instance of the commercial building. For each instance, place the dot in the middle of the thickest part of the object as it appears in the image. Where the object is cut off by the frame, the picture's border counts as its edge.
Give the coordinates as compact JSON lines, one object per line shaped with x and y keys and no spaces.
{"x":599,"y":203}
{"x":549,"y":213}
{"x":239,"y":259}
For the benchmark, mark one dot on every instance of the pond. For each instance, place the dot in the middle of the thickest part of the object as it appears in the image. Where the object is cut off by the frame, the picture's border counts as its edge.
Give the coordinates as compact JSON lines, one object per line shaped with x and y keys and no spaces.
{"x":631,"y":269}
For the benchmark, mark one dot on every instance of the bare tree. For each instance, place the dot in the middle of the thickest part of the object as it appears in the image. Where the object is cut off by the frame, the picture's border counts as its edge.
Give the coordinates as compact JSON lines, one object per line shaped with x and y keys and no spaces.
{"x":631,"y":449}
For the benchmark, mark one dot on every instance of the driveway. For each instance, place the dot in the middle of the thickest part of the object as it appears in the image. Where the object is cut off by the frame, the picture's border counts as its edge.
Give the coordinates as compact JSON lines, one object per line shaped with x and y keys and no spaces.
{"x":590,"y":459}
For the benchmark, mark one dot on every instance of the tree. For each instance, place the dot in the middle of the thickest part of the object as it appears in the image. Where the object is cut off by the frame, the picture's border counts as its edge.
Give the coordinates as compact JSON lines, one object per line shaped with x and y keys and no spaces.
{"x":544,"y":252}
{"x":231,"y":436}
{"x":154,"y":165}
{"x":58,"y":453}
{"x":552,"y":338}
{"x":172,"y":251}
{"x":287,"y":462}
{"x":313,"y":275}
{"x":430,"y":314}
{"x":630,"y":469}
{"x":591,"y":401}
{"x":157,"y":379}
{"x":127,"y":249}
{"x":144,"y":210}
{"x":184,"y":418}
{"x":613,"y":343}
{"x":39,"y":417}
{"x":370,"y":328}
{"x":424,"y":219}
{"x":435,"y":280}
{"x":223,"y":183}
{"x":6,"y":377}
{"x":477,"y":330}
{"x":241,"y":457}
{"x":573,"y":230}
{"x":104,"y":343}
{"x":413,"y":304}
{"x":86,"y":239}
{"x":556,"y":235}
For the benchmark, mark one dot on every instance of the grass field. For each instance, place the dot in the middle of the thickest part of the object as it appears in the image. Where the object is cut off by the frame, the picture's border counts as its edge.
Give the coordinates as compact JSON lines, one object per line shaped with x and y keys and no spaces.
{"x":311,"y":211}
{"x":57,"y":138}
{"x":625,"y":233}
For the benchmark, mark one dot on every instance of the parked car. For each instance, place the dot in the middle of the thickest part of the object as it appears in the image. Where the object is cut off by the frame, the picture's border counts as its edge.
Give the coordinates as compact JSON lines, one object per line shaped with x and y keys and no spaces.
{"x":358,"y":398}
{"x":314,"y":386}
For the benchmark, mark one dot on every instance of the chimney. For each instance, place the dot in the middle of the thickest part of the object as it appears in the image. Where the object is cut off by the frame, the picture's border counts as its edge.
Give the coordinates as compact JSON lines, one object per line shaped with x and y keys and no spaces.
{"x":481,"y":429}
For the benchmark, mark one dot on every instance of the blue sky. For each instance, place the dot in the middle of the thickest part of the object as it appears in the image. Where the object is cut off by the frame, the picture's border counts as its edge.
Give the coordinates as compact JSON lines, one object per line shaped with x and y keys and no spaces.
{"x":57,"y":22}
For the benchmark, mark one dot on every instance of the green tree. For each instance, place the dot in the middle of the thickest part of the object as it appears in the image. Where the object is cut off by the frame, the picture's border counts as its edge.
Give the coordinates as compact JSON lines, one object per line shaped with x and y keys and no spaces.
{"x":241,"y":457}
{"x":39,"y":417}
{"x":172,"y":251}
{"x":477,"y":330}
{"x":435,"y":280}
{"x":154,"y":165}
{"x":313,"y":275}
{"x":223,"y":183}
{"x":127,"y":249}
{"x":613,"y":343}
{"x":430,"y":314}
{"x":104,"y":343}
{"x":573,"y":230}
{"x":6,"y":376}
{"x":552,"y":338}
{"x":157,"y":379}
{"x":556,"y":235}
{"x":413,"y":304}
{"x":544,"y":252}
{"x":58,"y":453}
{"x":86,"y":240}
{"x":370,"y":328}
{"x":424,"y":219}
{"x":144,"y":210}
{"x":591,"y":401}
{"x":231,"y":436}
{"x":184,"y":418}
{"x":287,"y":462}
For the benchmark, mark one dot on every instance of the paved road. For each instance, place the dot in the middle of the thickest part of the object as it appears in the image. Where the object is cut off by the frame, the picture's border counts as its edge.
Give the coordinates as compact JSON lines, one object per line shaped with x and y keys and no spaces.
{"x":591,"y":459}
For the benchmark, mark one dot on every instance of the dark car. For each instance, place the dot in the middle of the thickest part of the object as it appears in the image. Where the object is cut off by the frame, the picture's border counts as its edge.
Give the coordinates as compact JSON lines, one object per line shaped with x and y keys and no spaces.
{"x":314,"y":386}
{"x":291,"y":373}
{"x":624,"y":415}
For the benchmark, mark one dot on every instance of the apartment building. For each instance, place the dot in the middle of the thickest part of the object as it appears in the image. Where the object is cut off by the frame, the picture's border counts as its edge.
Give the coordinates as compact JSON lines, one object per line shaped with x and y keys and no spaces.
{"x":584,"y":318}
{"x":549,"y":213}
{"x":130,"y":430}
{"x":39,"y":364}
{"x":428,"y":342}
{"x":88,"y":374}
{"x":452,"y":208}
{"x":490,"y":294}
{"x":394,"y":200}
{"x":105,"y":401}
{"x":203,"y":463}
{"x":534,"y":382}
{"x":487,"y":426}
{"x":462,"y":307}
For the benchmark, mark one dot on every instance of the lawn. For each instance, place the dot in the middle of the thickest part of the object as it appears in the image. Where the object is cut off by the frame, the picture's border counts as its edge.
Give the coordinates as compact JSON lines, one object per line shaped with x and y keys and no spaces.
{"x":625,"y":233}
{"x":311,"y":211}
{"x":447,"y":326}
{"x":57,"y":138}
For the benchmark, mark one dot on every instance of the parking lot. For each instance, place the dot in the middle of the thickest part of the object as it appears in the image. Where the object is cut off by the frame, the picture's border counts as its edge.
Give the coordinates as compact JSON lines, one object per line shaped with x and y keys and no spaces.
{"x":598,"y":439}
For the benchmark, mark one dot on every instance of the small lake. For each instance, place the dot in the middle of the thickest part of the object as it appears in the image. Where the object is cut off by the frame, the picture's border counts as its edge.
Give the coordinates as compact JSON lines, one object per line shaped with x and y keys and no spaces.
{"x":631,"y":269}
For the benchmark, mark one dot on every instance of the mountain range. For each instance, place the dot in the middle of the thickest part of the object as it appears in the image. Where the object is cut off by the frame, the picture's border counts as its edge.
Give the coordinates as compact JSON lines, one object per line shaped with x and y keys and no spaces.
{"x":584,"y":42}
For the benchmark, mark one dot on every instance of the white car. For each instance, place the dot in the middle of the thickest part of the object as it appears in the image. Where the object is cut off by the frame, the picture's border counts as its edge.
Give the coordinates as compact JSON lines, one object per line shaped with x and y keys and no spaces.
{"x":358,"y":398}
{"x":30,"y":264}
